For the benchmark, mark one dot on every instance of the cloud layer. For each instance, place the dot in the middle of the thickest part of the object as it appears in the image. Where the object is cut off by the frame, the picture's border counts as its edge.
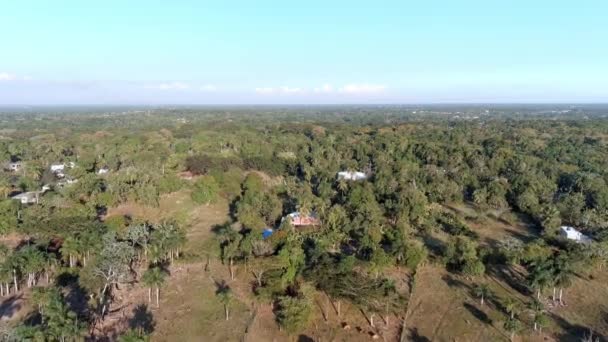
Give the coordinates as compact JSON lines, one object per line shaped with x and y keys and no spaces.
{"x":348,"y":89}
{"x":7,"y":77}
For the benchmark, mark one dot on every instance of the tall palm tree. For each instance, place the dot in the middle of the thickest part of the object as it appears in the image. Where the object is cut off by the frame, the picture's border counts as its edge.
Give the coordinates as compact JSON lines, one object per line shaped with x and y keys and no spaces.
{"x":512,"y":326}
{"x":224,"y":292}
{"x":541,"y":276}
{"x":154,"y":277}
{"x":512,"y":307}
{"x":482,"y":291}
{"x":563,"y":274}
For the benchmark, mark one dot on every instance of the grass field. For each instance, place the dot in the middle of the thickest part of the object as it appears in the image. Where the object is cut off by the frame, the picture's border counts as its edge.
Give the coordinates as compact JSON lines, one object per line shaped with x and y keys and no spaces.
{"x":442,"y":306}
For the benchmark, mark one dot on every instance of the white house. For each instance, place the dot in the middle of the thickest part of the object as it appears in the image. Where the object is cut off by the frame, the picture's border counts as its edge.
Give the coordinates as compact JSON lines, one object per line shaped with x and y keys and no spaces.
{"x":298,"y":219}
{"x":57,"y":167}
{"x":571,"y":233}
{"x":352,"y":175}
{"x":30,"y":197}
{"x":14,"y":166}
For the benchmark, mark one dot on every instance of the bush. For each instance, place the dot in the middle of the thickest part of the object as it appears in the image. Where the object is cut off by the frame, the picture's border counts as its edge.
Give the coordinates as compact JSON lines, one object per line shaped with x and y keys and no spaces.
{"x":205,"y":190}
{"x":293,"y":313}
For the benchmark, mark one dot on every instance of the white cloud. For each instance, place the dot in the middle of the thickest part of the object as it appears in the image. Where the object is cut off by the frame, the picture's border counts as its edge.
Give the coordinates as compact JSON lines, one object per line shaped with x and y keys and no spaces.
{"x":169,"y":86}
{"x":362,"y":88}
{"x":208,"y":88}
{"x":264,"y":90}
{"x":5,"y":76}
{"x":279,"y":90}
{"x":326,"y":88}
{"x":288,"y":90}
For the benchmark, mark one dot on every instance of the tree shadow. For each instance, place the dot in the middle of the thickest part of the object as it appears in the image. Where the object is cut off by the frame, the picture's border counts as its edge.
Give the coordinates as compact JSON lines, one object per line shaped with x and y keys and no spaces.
{"x":434,"y":245}
{"x":452,"y":281}
{"x":514,"y":279}
{"x":304,"y":338}
{"x":142,"y":320}
{"x":10,"y":306}
{"x":574,"y":332}
{"x":221,"y":286}
{"x":76,"y":296}
{"x":480,"y":315}
{"x":416,"y":337}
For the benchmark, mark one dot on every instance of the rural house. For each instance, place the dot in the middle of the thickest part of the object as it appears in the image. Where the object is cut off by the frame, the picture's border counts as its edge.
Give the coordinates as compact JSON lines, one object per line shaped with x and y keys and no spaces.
{"x":14,"y":166}
{"x":352,"y":175}
{"x":571,"y":233}
{"x":298,"y":219}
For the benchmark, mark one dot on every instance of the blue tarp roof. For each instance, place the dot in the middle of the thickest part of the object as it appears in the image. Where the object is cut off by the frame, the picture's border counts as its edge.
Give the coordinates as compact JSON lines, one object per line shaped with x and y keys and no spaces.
{"x":267,"y":233}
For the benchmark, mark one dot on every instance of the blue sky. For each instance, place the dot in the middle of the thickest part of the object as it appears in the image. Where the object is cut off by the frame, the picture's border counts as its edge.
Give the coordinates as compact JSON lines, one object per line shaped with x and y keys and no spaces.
{"x":239,"y":52}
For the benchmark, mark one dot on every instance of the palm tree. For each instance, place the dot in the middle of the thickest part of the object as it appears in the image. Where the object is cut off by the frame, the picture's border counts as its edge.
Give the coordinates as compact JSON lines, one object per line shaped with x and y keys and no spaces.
{"x":154,"y":277}
{"x":224,"y":292}
{"x":562,"y":276}
{"x":70,"y":250}
{"x":482,"y":291}
{"x":540,"y":321}
{"x":541,"y":276}
{"x":512,"y":307}
{"x":537,"y":310}
{"x":512,"y":326}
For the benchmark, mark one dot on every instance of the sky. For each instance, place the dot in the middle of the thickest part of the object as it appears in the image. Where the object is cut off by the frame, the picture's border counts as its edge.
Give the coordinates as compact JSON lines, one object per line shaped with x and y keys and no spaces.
{"x":303,"y":52}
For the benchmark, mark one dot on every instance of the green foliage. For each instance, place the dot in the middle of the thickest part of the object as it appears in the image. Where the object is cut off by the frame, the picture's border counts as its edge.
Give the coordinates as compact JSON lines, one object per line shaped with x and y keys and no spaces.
{"x":461,"y":254}
{"x":205,"y":190}
{"x":8,"y":216}
{"x":293,"y":313}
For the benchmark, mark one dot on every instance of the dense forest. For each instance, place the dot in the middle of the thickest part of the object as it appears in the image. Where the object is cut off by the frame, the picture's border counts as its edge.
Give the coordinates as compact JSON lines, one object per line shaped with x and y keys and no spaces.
{"x":481,"y":194}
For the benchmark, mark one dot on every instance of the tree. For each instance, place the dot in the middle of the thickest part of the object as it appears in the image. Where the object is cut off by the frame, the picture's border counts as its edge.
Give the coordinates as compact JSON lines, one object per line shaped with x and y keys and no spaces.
{"x":133,"y":336}
{"x":512,"y":326}
{"x":563,"y":273}
{"x":512,"y":307}
{"x":482,"y":291}
{"x":540,"y":276}
{"x":293,"y":313}
{"x":540,"y":321}
{"x":224,"y":293}
{"x":58,"y":321}
{"x":205,"y":190}
{"x":154,"y":277}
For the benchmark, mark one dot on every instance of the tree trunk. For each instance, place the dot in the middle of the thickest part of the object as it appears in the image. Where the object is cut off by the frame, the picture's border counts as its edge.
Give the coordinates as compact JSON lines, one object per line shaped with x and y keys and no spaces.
{"x":561,"y":290}
{"x":535,"y":325}
{"x":538,"y":294}
{"x":149,"y":295}
{"x":157,"y":297}
{"x":481,"y":300}
{"x":554,"y":297}
{"x":371,"y":320}
{"x":231,"y":268}
{"x":226,"y":312}
{"x":15,"y":280}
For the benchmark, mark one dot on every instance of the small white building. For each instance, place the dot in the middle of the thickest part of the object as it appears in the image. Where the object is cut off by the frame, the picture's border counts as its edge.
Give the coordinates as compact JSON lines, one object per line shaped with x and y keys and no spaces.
{"x":57,"y":167}
{"x":30,"y":197}
{"x":352,"y":175}
{"x":14,"y":166}
{"x":571,"y":233}
{"x":297,"y":219}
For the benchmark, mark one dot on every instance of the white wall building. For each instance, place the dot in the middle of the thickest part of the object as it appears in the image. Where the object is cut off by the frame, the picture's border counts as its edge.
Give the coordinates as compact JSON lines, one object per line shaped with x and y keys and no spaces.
{"x":571,"y":233}
{"x":352,"y":175}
